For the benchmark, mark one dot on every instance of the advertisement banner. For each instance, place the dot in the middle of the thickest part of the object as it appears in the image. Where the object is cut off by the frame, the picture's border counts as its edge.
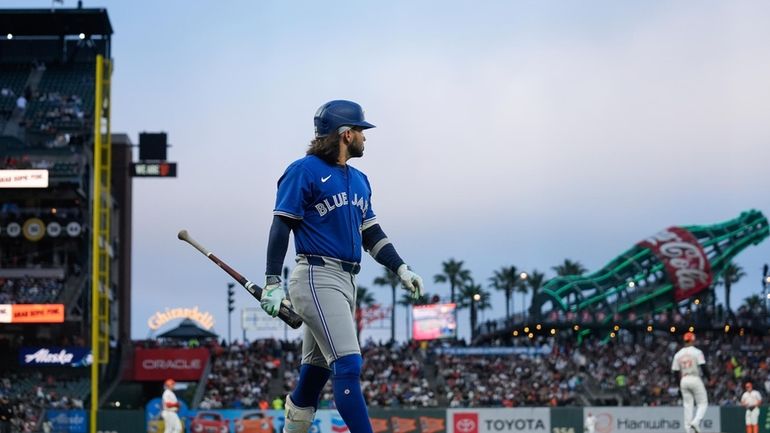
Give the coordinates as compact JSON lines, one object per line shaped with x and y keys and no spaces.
{"x":31,"y":313}
{"x":31,"y":178}
{"x":177,"y":364}
{"x":55,"y":356}
{"x":67,"y":421}
{"x":509,"y":420}
{"x":494,"y":350}
{"x":6,"y":313}
{"x":666,"y":419}
{"x":430,"y":322}
{"x":272,"y":421}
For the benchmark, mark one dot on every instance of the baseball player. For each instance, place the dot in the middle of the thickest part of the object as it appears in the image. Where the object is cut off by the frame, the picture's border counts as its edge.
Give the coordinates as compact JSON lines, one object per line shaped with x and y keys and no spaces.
{"x":751,"y":399}
{"x":690,"y":364}
{"x":170,"y":407}
{"x":590,"y":423}
{"x":327,"y":204}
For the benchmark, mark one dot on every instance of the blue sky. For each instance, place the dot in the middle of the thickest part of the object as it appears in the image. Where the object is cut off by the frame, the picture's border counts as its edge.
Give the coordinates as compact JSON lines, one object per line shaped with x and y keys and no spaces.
{"x":508,"y":132}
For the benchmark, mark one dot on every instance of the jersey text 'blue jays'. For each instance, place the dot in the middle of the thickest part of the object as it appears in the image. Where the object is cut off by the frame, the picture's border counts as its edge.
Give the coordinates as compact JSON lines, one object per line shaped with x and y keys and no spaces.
{"x":333,"y":202}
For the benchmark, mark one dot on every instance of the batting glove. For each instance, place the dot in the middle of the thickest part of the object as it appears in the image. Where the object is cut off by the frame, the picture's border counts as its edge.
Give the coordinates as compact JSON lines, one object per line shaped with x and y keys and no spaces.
{"x":272,"y":295}
{"x":411,"y":281}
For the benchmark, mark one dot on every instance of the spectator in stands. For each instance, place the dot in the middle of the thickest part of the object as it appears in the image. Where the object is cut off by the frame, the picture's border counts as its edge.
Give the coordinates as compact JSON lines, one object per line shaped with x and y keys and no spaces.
{"x":21,"y":103}
{"x":6,"y":414}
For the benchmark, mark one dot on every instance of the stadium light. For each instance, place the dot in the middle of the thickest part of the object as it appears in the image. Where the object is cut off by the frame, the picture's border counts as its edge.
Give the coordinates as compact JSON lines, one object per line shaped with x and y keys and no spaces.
{"x":649,"y":328}
{"x":631,"y":284}
{"x":477,"y":297}
{"x":538,"y":327}
{"x":616,"y":327}
{"x":523,"y":276}
{"x":531,"y":335}
{"x":672,"y":329}
{"x":612,"y":335}
{"x":82,"y":36}
{"x":727,"y":328}
{"x":526,"y":329}
{"x":576,"y":327}
{"x":515,"y":333}
{"x":691,"y":329}
{"x":553,"y":331}
{"x":9,"y":36}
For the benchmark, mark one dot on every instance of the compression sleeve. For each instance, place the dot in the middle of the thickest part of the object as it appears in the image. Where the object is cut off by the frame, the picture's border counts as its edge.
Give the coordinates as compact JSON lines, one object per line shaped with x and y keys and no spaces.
{"x":379,"y":247}
{"x":278,"y":243}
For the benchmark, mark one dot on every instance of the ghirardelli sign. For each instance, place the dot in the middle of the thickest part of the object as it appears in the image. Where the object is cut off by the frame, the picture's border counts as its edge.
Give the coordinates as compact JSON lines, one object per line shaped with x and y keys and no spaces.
{"x":687,"y":266}
{"x":177,"y":364}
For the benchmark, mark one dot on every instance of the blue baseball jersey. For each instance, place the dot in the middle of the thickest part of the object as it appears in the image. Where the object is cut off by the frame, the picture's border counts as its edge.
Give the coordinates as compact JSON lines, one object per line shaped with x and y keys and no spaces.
{"x":333,"y":203}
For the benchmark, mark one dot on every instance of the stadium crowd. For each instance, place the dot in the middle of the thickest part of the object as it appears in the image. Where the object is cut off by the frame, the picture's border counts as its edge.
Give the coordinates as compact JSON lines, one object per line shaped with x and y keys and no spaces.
{"x":635,"y":367}
{"x":411,"y":375}
{"x":29,"y":290}
{"x":29,"y":393}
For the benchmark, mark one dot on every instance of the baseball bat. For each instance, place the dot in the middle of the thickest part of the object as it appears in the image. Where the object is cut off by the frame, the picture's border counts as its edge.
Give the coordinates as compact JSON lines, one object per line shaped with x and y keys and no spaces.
{"x":285,"y":313}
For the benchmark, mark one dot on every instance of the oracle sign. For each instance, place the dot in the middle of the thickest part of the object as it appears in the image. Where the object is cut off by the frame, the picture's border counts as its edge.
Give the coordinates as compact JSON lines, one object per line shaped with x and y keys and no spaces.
{"x":177,"y":364}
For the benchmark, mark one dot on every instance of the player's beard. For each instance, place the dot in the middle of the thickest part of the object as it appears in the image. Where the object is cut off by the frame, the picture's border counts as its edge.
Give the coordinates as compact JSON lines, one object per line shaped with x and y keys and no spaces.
{"x":356,"y":148}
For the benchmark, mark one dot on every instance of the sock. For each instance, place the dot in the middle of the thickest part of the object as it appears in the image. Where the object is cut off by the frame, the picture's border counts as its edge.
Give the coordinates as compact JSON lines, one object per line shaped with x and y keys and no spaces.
{"x":309,"y":386}
{"x":348,"y":395}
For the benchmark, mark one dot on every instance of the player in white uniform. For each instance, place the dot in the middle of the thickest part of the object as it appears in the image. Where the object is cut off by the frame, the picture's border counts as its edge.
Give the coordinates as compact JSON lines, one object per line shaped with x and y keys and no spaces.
{"x":751,"y":399}
{"x":590,"y":423}
{"x":170,"y":407}
{"x":690,"y":364}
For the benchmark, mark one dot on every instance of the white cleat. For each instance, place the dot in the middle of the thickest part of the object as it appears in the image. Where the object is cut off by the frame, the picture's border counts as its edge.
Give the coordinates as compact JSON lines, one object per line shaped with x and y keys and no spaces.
{"x":298,"y":419}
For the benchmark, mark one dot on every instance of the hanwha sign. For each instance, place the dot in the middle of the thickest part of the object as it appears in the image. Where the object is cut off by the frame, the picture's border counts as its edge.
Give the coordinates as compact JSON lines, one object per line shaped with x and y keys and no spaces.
{"x":604,"y":422}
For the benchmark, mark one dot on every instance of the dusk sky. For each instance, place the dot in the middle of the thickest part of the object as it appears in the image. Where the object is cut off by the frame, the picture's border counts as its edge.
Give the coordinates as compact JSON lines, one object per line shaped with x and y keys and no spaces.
{"x":508,"y":132}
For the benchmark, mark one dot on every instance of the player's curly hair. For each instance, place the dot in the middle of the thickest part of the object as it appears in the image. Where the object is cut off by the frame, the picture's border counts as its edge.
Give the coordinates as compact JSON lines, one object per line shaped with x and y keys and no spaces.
{"x":326,"y":148}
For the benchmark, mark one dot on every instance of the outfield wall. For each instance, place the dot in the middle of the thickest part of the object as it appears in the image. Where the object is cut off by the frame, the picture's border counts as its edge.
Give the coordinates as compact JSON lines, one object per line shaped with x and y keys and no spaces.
{"x":472,"y":420}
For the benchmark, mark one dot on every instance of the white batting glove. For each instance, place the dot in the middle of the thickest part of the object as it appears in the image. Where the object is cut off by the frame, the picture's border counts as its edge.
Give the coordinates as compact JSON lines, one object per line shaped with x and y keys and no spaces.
{"x":411,"y":281}
{"x":272,"y":295}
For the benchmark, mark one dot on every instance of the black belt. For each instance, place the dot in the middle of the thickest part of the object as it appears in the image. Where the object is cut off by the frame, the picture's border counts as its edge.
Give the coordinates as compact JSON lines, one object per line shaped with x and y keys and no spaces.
{"x":353,"y":268}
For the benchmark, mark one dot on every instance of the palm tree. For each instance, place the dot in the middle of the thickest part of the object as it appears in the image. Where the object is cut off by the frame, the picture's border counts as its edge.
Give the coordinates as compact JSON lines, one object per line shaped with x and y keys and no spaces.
{"x":535,"y":281}
{"x":731,"y":275}
{"x":505,"y":280}
{"x":753,"y":303}
{"x":454,"y":274}
{"x":568,"y":267}
{"x":392,"y":280}
{"x":364,"y":298}
{"x":474,"y":296}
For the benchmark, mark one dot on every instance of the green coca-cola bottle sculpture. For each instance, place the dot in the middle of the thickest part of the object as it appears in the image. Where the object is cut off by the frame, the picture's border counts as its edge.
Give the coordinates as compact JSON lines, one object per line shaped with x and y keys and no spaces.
{"x":656,"y":274}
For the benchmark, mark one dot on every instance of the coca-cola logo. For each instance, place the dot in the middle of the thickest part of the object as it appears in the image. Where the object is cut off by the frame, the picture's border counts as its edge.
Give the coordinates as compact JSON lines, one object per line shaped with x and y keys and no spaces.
{"x":686,"y":263}
{"x":171,"y":364}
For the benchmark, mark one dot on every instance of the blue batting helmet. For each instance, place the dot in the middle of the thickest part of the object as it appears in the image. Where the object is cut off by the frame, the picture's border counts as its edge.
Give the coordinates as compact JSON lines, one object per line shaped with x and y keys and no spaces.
{"x":333,"y":114}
